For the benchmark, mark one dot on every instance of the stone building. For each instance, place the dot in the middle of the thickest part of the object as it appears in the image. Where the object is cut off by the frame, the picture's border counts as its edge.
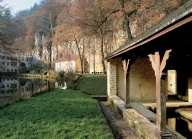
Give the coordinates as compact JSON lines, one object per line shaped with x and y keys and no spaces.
{"x":70,"y":63}
{"x":15,"y":63}
{"x":150,"y":68}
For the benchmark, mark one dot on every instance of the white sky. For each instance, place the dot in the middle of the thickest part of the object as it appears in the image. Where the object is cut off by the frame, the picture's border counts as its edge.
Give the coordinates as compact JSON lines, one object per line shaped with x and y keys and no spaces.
{"x":17,"y":5}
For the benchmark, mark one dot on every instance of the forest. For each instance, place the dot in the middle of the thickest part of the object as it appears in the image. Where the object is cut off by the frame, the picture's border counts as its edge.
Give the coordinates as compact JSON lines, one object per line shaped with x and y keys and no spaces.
{"x":92,"y":26}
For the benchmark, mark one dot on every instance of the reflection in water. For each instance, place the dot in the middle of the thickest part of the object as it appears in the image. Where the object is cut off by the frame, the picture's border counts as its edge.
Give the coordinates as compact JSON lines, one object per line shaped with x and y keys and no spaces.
{"x":172,"y":123}
{"x":12,"y":89}
{"x":180,"y":124}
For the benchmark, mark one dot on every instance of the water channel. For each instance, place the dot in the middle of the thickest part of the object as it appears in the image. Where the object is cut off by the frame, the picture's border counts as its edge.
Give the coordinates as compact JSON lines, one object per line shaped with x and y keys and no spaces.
{"x":15,"y":89}
{"x":179,"y":124}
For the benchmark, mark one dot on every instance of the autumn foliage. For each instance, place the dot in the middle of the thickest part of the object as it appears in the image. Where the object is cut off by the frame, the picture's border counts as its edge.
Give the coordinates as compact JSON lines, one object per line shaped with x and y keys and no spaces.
{"x":79,"y":22}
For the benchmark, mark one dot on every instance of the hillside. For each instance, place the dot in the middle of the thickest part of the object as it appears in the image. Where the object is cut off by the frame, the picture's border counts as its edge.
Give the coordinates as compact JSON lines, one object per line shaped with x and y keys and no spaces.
{"x":92,"y":84}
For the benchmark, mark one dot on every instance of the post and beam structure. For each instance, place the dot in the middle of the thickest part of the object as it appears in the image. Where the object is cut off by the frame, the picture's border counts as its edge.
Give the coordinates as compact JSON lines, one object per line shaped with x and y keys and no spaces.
{"x":126,"y":64}
{"x":158,"y":67}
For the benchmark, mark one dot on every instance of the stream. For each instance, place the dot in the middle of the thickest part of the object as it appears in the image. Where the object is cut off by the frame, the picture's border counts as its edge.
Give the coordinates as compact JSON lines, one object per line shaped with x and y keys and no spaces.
{"x":15,"y":89}
{"x":179,"y":124}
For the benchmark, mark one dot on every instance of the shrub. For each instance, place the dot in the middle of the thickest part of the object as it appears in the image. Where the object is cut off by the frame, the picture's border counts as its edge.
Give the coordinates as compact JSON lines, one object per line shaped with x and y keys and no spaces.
{"x":60,"y":77}
{"x":45,"y":73}
{"x":67,"y":77}
{"x":52,"y":73}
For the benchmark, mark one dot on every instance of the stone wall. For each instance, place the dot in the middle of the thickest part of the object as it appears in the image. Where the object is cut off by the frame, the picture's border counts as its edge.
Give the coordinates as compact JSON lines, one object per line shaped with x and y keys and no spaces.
{"x":172,"y":81}
{"x":120,"y":79}
{"x":142,"y":80}
{"x":111,"y":77}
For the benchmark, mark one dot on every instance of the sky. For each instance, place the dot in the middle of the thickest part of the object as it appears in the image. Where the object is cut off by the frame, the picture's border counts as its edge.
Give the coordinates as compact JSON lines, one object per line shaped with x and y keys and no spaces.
{"x":17,"y":5}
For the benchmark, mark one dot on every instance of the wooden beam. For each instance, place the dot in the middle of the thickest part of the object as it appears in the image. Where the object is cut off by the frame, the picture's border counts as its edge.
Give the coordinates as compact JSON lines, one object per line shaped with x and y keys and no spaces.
{"x":158,"y":67}
{"x":163,"y":63}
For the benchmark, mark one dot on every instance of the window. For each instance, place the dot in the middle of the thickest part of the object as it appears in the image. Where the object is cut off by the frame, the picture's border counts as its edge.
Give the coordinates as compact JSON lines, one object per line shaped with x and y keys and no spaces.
{"x":13,"y":63}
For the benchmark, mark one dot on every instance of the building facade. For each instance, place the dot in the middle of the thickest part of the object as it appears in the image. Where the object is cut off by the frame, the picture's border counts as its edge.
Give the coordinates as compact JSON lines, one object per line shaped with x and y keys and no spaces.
{"x":151,"y":67}
{"x":15,"y":63}
{"x":71,"y":63}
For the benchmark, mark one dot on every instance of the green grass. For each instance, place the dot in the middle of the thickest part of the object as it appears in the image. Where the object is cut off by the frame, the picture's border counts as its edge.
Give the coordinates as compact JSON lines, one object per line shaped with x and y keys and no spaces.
{"x":92,"y":84}
{"x":59,"y":114}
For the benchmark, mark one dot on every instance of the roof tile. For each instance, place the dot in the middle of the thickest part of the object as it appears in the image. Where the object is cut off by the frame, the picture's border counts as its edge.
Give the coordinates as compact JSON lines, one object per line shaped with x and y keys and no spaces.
{"x":68,"y":58}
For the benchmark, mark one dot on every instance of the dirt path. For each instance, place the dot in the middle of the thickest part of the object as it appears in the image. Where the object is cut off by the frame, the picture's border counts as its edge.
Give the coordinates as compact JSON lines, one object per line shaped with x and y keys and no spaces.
{"x":118,"y":125}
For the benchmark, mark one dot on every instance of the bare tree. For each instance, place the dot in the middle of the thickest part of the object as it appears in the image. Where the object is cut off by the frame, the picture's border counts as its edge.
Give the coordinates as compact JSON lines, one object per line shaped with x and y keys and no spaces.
{"x":7,"y":27}
{"x":68,"y":29}
{"x":96,"y":19}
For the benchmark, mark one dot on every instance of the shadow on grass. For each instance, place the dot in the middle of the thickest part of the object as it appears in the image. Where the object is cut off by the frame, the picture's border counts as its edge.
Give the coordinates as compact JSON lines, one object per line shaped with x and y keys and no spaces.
{"x":92,"y":84}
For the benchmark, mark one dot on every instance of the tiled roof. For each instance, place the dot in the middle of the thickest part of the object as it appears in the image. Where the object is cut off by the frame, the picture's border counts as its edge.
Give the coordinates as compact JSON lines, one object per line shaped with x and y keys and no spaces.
{"x":68,"y":58}
{"x":169,"y":20}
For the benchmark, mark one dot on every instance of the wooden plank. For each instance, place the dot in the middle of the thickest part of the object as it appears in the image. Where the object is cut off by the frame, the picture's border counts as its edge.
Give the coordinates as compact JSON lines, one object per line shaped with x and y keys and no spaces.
{"x":163,"y":63}
{"x":152,"y":59}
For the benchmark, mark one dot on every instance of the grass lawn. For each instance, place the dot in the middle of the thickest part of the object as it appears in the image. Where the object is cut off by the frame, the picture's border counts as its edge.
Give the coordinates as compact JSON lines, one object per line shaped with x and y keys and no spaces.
{"x":59,"y":114}
{"x":92,"y":84}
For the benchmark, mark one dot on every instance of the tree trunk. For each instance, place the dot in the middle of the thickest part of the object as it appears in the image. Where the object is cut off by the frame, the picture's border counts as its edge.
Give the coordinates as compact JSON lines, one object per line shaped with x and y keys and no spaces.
{"x":82,"y":59}
{"x":128,"y":30}
{"x":50,"y":43}
{"x":129,"y":35}
{"x":102,"y":51}
{"x":50,"y":55}
{"x":78,"y":48}
{"x":80,"y":56}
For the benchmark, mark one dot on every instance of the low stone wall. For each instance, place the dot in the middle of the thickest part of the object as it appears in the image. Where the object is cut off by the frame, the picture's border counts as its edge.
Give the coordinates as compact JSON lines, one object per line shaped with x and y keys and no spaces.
{"x":140,"y":125}
{"x":175,"y":135}
{"x":185,"y":112}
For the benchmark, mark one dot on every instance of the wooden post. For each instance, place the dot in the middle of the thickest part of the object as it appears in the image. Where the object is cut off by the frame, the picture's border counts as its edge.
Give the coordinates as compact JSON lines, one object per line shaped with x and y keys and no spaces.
{"x":128,"y":100}
{"x":160,"y":92}
{"x":163,"y":105}
{"x":126,"y":76}
{"x":163,"y":131}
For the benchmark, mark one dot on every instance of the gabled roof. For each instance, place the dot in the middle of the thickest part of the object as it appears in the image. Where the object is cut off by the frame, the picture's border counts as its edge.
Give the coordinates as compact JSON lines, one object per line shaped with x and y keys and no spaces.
{"x":68,"y":58}
{"x":160,"y":28}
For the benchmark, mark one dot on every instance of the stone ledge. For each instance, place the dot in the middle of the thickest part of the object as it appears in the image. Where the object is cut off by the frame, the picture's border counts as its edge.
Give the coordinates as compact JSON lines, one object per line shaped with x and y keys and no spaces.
{"x":140,"y":125}
{"x":185,"y":112}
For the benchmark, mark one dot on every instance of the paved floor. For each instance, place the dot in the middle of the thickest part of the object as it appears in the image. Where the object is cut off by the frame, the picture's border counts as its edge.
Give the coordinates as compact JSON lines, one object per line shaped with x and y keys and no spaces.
{"x":140,"y":108}
{"x":118,"y":125}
